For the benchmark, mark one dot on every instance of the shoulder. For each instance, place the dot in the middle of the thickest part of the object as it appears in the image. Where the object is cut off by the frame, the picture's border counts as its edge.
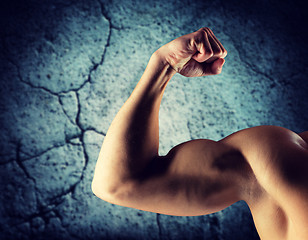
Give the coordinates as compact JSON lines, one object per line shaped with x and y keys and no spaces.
{"x":279,"y":160}
{"x":265,"y":134}
{"x":268,"y":143}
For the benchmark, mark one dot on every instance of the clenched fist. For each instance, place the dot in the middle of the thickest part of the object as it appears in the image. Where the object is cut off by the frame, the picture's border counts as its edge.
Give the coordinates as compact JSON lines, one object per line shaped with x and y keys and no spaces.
{"x":196,"y":54}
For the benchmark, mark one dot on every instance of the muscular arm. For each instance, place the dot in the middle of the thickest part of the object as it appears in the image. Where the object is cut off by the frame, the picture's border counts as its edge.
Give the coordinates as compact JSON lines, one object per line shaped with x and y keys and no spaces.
{"x":200,"y":176}
{"x":129,"y":171}
{"x":266,"y":166}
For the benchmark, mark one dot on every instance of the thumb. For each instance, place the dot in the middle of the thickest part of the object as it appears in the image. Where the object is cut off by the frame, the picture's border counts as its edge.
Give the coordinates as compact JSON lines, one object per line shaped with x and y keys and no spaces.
{"x":216,"y":66}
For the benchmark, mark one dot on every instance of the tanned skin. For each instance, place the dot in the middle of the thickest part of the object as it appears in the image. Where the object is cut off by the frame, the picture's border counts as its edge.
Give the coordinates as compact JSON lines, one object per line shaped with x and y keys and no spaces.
{"x":266,"y":166}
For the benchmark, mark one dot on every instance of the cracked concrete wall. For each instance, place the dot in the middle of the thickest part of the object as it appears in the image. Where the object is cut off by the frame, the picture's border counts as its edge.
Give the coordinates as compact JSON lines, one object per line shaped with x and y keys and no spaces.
{"x":68,"y":66}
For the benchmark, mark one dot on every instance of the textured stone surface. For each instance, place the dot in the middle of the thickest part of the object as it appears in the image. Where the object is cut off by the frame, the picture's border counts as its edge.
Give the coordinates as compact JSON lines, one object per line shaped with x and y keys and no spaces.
{"x":66,"y":67}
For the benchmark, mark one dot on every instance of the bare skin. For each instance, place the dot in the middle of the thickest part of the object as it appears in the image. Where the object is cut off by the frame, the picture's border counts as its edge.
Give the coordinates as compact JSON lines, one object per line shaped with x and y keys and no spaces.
{"x":265,"y":166}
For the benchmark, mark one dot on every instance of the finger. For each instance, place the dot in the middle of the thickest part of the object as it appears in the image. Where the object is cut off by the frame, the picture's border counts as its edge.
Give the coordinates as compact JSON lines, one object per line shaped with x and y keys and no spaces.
{"x":219,"y":43}
{"x":215,"y":47}
{"x":218,"y":50}
{"x":213,"y":68}
{"x":203,"y":47}
{"x":217,"y":65}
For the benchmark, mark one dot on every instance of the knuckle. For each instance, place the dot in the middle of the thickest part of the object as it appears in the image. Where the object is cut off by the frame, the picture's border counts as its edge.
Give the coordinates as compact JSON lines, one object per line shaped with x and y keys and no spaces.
{"x":222,"y":52}
{"x":218,"y":52}
{"x":210,"y":52}
{"x":206,"y":29}
{"x":225,"y":52}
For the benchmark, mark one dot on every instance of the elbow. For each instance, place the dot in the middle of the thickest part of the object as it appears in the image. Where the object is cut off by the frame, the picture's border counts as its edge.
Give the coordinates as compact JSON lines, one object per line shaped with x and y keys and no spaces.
{"x":96,"y":190}
{"x":104,"y":185}
{"x":113,"y":186}
{"x":103,"y":191}
{"x":119,"y":194}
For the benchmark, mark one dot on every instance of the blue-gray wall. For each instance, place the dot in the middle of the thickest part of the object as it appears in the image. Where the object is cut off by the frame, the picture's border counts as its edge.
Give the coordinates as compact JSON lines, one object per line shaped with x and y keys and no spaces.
{"x":66,"y":67}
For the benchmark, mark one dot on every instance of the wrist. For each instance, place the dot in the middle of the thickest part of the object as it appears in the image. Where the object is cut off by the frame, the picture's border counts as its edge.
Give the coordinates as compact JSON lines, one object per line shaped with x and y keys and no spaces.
{"x":175,"y":61}
{"x":161,"y":57}
{"x":159,"y":69}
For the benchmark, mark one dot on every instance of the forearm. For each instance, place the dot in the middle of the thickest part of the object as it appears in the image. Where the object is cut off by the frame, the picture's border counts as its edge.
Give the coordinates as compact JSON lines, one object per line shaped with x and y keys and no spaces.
{"x":132,"y":140}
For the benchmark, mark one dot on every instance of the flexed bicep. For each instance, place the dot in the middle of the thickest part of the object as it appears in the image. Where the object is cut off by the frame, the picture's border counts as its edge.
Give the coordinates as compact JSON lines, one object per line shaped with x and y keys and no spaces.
{"x":195,"y":178}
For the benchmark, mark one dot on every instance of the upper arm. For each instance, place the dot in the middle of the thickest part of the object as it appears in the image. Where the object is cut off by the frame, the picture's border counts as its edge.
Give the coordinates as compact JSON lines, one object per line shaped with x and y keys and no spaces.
{"x":194,"y":178}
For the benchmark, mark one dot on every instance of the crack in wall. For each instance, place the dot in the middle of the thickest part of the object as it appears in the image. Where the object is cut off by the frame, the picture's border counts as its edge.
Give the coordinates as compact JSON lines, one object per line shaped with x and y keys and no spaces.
{"x":105,"y":15}
{"x":45,"y":151}
{"x":160,"y":234}
{"x":42,"y":210}
{"x":282,"y":81}
{"x":77,"y":119}
{"x":57,"y":94}
{"x":20,"y":164}
{"x":61,"y":104}
{"x":65,"y":113}
{"x":238,"y":46}
{"x":214,"y":227}
{"x":81,"y":138}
